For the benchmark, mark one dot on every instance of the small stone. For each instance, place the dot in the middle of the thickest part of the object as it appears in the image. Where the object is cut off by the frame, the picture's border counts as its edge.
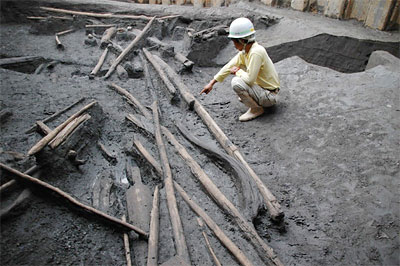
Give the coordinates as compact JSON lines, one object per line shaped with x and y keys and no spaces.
{"x":90,"y":41}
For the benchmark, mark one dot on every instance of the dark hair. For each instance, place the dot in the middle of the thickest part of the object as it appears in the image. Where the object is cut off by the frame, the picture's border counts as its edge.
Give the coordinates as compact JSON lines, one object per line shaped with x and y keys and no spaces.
{"x":243,"y":40}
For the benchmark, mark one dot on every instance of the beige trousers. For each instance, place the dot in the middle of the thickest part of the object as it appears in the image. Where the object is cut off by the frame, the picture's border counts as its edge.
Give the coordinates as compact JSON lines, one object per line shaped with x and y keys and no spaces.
{"x":261,"y":96}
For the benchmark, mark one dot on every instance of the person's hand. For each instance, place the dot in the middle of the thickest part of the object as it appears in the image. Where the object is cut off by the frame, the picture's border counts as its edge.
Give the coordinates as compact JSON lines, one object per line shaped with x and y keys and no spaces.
{"x":234,"y":69}
{"x":208,"y":87}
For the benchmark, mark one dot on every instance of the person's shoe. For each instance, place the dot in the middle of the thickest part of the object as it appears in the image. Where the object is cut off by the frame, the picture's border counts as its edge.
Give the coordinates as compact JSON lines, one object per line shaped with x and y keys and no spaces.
{"x":251,"y":114}
{"x":254,"y":111}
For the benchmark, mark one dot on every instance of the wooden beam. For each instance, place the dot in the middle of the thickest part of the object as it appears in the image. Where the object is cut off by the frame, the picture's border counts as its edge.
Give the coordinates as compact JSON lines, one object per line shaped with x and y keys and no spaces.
{"x":208,"y":244}
{"x":225,"y":240}
{"x":138,"y":199}
{"x":92,"y":14}
{"x":99,"y":63}
{"x":137,"y":104}
{"x":164,"y":78}
{"x":19,"y":60}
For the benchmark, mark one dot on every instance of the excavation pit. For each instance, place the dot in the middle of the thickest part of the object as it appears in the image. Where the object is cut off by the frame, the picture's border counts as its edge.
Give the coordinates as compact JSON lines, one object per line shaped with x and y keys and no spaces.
{"x":326,"y":151}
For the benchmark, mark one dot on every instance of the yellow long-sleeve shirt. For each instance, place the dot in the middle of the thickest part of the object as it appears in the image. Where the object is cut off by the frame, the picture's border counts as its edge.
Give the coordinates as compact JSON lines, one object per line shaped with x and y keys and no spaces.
{"x":259,"y":68}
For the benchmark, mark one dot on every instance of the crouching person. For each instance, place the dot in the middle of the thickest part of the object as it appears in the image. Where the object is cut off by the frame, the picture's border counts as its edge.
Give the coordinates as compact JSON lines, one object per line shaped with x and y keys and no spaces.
{"x":256,"y":81}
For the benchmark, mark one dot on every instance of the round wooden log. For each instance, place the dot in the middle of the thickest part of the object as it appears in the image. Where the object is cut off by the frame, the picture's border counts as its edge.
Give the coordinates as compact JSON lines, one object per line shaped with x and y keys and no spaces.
{"x":160,"y":72}
{"x":107,"y":36}
{"x":152,"y":255}
{"x":64,"y":32}
{"x":271,"y":202}
{"x":99,"y":63}
{"x":43,"y":128}
{"x":125,"y":93}
{"x":225,"y":240}
{"x":208,"y":244}
{"x":93,"y":26}
{"x":19,"y":60}
{"x":59,"y":44}
{"x":126,"y":245}
{"x":49,"y":17}
{"x":67,"y":130}
{"x":96,"y":15}
{"x":148,"y":156}
{"x":43,"y":142}
{"x":265,"y":252}
{"x":149,"y":83}
{"x":179,"y":237}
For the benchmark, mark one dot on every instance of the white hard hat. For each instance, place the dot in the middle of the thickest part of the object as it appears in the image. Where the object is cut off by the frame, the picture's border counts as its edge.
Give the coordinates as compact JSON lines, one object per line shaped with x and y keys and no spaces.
{"x":240,"y":28}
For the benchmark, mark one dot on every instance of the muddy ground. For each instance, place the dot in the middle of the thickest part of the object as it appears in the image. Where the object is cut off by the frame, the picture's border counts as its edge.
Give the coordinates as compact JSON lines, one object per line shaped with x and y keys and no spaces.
{"x":328,"y":151}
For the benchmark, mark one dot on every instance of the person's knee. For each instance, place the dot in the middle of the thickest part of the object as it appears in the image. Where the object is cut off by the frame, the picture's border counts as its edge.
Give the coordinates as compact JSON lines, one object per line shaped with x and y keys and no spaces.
{"x":237,"y":85}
